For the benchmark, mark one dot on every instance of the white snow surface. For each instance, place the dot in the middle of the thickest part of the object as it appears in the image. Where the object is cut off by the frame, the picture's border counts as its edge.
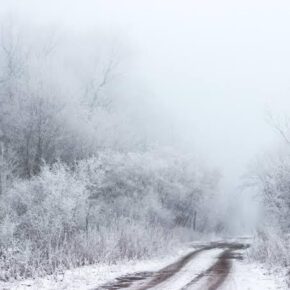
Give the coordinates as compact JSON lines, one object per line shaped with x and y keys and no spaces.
{"x":90,"y":277}
{"x":253,"y":276}
{"x":197,"y":265}
{"x":244,"y":275}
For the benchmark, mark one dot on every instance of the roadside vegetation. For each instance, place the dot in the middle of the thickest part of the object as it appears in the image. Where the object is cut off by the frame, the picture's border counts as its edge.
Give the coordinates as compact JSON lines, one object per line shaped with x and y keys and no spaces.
{"x":270,"y":179}
{"x":82,"y":180}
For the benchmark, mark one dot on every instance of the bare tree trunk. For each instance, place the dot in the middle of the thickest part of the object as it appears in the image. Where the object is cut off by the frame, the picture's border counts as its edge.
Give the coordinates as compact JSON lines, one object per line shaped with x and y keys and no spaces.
{"x":2,"y":168}
{"x":87,"y":226}
{"x":194,"y":220}
{"x":27,"y":161}
{"x":38,"y":156}
{"x":88,"y":219}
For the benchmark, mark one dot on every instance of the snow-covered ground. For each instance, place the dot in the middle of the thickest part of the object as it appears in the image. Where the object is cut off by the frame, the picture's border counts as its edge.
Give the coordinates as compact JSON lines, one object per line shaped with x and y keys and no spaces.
{"x":89,"y":277}
{"x":251,"y":276}
{"x":197,"y":274}
{"x":246,"y":275}
{"x":194,"y":268}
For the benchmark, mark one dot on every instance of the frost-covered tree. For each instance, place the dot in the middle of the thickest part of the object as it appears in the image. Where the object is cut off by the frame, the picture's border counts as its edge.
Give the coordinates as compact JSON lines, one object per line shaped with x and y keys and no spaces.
{"x":47,"y":110}
{"x":83,"y":174}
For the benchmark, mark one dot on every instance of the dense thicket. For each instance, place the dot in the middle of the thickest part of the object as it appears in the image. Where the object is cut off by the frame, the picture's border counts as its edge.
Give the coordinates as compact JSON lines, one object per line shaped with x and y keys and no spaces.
{"x":80,"y":180}
{"x":271,"y":181}
{"x":109,"y":207}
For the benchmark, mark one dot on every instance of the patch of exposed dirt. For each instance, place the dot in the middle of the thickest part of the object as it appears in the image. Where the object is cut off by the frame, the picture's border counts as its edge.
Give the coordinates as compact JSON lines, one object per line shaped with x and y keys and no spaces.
{"x":126,"y":281}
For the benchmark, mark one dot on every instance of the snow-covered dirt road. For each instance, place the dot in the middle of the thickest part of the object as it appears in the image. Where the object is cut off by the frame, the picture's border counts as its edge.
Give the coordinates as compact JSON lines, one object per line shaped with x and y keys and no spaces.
{"x":207,"y":266}
{"x":217,"y":265}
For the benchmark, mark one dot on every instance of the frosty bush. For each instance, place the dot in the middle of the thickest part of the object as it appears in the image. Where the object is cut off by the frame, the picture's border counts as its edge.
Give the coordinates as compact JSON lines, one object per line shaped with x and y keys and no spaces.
{"x":270,"y":247}
{"x":113,"y":206}
{"x":271,"y":179}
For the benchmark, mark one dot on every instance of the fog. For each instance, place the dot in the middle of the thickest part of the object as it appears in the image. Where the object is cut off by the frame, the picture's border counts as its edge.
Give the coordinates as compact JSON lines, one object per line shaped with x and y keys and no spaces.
{"x":209,"y":71}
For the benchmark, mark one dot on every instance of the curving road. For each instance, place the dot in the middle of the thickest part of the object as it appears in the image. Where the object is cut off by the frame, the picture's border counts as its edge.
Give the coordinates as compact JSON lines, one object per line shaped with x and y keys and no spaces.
{"x":205,"y":268}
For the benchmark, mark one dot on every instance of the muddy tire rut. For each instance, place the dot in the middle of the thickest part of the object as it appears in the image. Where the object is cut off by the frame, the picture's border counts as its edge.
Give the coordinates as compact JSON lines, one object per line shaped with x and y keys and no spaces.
{"x":216,"y":275}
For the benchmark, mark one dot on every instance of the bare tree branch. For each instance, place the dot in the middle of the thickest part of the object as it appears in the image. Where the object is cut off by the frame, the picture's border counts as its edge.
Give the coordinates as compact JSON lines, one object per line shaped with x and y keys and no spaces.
{"x":278,"y":127}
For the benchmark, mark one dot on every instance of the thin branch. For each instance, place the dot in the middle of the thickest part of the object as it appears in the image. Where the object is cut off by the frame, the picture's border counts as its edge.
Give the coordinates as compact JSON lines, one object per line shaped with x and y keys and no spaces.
{"x":278,"y":128}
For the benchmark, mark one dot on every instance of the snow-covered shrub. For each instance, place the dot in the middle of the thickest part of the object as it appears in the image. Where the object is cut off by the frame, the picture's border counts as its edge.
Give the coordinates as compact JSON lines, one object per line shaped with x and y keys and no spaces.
{"x":270,"y":247}
{"x":46,"y":212}
{"x":113,"y":206}
{"x":271,"y":180}
{"x":270,"y":176}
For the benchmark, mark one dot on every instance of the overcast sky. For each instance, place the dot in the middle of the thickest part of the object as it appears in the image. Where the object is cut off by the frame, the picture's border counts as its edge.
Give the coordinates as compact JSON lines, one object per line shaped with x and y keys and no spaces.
{"x":216,"y":66}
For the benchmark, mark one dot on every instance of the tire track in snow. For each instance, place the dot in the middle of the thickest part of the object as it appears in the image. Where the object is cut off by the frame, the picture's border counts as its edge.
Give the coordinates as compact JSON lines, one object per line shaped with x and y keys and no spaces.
{"x":211,"y":278}
{"x":156,"y":278}
{"x":215,"y":276}
{"x":169,"y":271}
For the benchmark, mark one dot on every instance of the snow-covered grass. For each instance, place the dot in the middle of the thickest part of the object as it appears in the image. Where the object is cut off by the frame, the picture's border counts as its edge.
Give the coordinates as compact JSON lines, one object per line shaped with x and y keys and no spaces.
{"x":247,"y":275}
{"x":269,"y":257}
{"x":256,"y":271}
{"x":88,"y":277}
{"x":270,"y":247}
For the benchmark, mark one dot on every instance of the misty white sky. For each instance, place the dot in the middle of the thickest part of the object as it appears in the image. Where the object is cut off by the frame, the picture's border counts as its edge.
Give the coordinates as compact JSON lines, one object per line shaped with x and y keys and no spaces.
{"x":216,"y":66}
